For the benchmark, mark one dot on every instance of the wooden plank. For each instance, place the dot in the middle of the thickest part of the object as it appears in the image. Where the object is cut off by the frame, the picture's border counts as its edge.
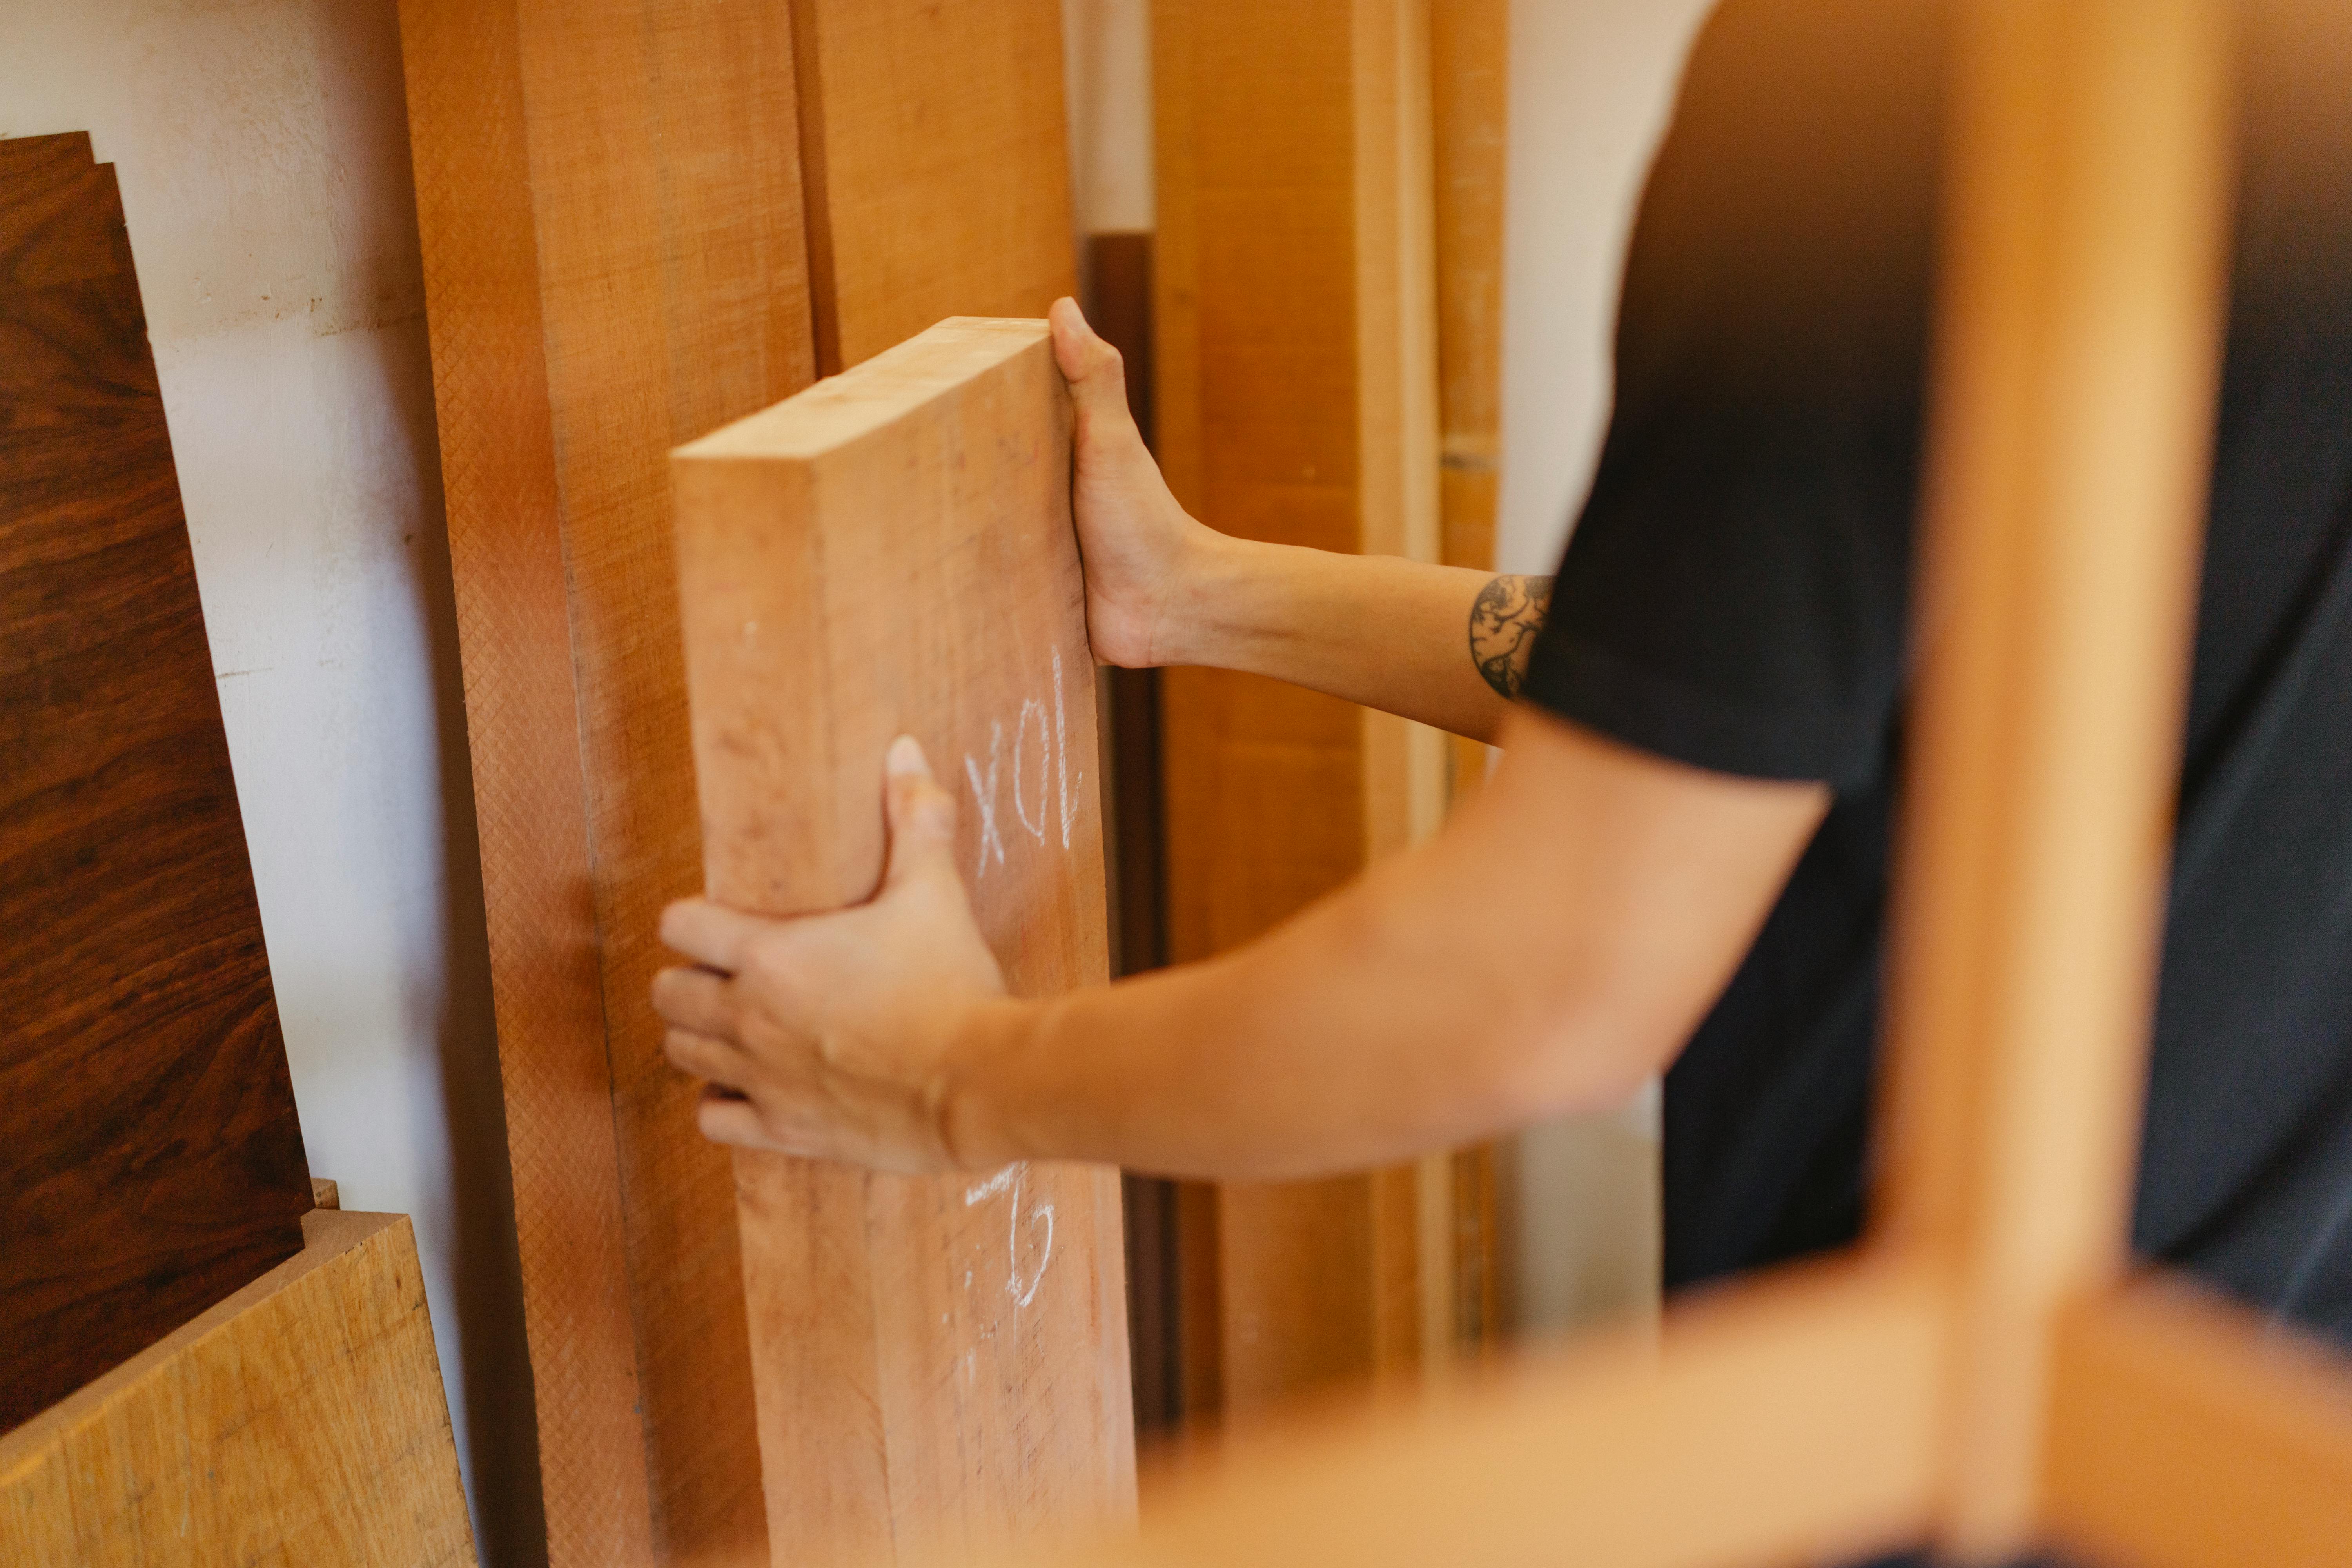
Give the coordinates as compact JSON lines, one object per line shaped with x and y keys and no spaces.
{"x":1469,"y":73}
{"x":150,"y":1158}
{"x":299,"y":1420}
{"x":2184,"y":1432}
{"x":2080,"y":329}
{"x":1790,"y":1420}
{"x":941,"y":1363}
{"x":610,"y":207}
{"x":1297,"y":401}
{"x":934,"y":137}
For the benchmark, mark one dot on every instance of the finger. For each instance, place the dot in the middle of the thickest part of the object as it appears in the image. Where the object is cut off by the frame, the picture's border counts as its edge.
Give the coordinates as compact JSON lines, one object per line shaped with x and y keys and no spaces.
{"x":729,"y":1119}
{"x":712,"y":936}
{"x":1097,"y":374}
{"x":696,"y":999}
{"x":922,"y":818}
{"x":699,"y":1055}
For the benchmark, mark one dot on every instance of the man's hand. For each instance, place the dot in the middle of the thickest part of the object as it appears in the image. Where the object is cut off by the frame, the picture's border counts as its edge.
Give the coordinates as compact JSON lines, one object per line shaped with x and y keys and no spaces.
{"x":1141,"y":550}
{"x":835,"y":1036}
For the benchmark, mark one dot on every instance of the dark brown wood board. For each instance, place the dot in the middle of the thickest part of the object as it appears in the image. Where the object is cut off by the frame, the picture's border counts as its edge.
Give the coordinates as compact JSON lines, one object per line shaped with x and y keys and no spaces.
{"x":941,"y":1363}
{"x":150,"y":1163}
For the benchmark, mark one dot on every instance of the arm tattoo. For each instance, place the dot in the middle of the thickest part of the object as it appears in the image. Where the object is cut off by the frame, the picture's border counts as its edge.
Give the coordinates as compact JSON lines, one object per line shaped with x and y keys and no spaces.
{"x":1503,"y":625}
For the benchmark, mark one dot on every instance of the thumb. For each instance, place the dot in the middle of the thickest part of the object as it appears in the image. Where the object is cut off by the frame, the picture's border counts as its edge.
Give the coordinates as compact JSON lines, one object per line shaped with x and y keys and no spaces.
{"x":921,"y":816}
{"x":1097,"y":374}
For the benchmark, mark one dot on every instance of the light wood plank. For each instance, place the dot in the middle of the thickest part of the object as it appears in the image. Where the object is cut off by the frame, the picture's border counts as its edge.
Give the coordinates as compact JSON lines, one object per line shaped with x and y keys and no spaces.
{"x":2184,"y":1432}
{"x":1469,"y":72}
{"x":935,"y":138}
{"x":300,"y":1420}
{"x":941,"y":1363}
{"x":2080,"y":326}
{"x":1793,"y":1420}
{"x":1297,"y":401}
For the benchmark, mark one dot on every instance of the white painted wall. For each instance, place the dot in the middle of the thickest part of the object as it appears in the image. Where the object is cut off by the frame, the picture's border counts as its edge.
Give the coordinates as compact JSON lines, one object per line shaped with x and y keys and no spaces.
{"x":262,"y":151}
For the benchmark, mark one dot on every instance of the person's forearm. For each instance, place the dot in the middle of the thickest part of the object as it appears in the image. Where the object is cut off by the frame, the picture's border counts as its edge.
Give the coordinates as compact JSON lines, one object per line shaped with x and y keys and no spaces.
{"x":1547,"y":953}
{"x":1401,"y":636}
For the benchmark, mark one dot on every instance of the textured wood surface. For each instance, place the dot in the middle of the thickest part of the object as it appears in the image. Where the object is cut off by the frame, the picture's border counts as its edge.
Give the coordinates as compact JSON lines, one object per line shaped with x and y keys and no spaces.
{"x":941,"y":1363}
{"x":617,"y":244}
{"x":1294,"y":297}
{"x":934,"y":141}
{"x":300,"y":1421}
{"x":611,"y":213}
{"x":149,"y":1159}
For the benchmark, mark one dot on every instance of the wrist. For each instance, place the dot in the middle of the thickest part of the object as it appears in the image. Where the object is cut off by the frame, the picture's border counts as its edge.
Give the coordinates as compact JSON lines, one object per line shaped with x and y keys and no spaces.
{"x":975,"y":1094}
{"x":1205,"y":613}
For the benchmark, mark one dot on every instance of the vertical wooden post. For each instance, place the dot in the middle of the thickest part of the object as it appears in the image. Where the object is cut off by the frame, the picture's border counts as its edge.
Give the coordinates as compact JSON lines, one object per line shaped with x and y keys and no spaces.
{"x":1469,"y":72}
{"x":1295,"y":300}
{"x":2079,"y":336}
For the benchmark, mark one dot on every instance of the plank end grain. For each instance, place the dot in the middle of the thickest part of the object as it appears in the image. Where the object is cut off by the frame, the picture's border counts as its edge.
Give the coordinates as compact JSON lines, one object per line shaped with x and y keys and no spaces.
{"x":941,"y":1364}
{"x":150,"y":1158}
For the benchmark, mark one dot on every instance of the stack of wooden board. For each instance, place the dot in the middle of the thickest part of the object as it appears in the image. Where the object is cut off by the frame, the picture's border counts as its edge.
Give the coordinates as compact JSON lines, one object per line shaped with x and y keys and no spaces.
{"x":641,"y":222}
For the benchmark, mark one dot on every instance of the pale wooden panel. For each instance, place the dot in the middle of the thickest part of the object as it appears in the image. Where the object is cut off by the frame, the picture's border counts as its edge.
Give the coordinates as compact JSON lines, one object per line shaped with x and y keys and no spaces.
{"x":1789,"y":1421}
{"x":300,"y":1421}
{"x":629,"y":170}
{"x":468,"y":140}
{"x":938,"y":171}
{"x":941,"y":1363}
{"x":1297,"y":397}
{"x":2079,"y":330}
{"x":1469,"y":74}
{"x":2188,"y":1433}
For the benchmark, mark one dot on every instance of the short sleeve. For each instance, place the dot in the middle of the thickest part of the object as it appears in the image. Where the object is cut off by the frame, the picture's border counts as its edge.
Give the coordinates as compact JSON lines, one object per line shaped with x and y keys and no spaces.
{"x":1734,"y":593}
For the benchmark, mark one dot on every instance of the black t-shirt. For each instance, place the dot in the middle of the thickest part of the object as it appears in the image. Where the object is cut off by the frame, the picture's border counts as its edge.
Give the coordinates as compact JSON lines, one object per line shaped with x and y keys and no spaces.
{"x":1735,"y":598}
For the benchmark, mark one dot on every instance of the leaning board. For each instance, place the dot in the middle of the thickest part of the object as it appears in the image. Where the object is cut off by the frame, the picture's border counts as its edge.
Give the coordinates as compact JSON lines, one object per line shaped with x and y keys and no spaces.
{"x":150,"y":1158}
{"x":940,"y":1365}
{"x":300,"y":1420}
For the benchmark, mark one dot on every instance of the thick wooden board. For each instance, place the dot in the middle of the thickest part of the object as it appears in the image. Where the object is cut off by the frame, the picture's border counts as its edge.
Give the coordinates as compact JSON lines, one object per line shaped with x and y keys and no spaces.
{"x":610,"y":206}
{"x":617,"y":247}
{"x":941,"y":1363}
{"x":1297,"y":402}
{"x":936,"y":147}
{"x":300,"y":1421}
{"x":150,"y":1158}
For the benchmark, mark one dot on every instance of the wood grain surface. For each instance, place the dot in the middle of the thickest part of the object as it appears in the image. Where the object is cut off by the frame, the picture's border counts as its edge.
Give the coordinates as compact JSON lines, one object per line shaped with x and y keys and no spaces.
{"x":300,"y":1421}
{"x":610,"y":205}
{"x":617,"y":247}
{"x":935,"y":144}
{"x":1294,"y":297}
{"x":941,"y":1363}
{"x":150,"y":1158}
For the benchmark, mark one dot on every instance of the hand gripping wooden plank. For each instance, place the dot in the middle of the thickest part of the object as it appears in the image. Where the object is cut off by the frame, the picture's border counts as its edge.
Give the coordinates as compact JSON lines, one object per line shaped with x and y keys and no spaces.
{"x":941,"y":1364}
